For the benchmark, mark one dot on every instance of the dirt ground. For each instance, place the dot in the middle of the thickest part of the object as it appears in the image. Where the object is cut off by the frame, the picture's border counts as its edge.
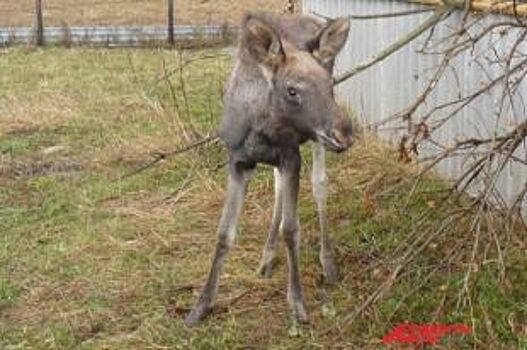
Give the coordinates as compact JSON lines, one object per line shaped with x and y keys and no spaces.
{"x":20,"y":13}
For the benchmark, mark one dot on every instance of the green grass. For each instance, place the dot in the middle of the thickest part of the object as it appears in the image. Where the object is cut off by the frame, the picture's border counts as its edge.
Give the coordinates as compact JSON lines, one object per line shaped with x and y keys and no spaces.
{"x":91,"y":261}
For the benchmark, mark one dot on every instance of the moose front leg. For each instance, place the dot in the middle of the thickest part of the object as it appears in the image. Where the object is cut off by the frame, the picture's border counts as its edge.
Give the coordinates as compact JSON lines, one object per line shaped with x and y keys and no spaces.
{"x":236,"y":188}
{"x":319,"y":182}
{"x":269,"y":251}
{"x":289,"y":176}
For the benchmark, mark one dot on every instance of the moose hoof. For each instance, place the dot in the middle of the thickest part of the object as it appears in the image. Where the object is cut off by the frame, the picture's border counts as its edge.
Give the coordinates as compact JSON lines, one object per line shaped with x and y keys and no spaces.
{"x":198,"y":313}
{"x":330,"y":269}
{"x":266,"y":269}
{"x":299,"y":312}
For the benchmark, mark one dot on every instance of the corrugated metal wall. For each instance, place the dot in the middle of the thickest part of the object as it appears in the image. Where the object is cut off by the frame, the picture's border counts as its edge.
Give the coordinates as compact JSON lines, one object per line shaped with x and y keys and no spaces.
{"x":390,"y":86}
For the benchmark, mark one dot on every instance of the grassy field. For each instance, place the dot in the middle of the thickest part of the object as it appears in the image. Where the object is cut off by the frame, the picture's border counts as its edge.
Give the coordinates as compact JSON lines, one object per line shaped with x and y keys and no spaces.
{"x":92,"y":261}
{"x":20,"y":13}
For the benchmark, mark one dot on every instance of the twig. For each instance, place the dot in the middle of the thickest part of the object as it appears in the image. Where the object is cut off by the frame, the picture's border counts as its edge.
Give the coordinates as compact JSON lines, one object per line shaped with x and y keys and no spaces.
{"x":160,"y":156}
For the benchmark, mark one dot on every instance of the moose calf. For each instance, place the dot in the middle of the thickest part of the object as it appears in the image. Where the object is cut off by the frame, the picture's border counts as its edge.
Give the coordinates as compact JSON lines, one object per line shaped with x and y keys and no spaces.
{"x":280,"y":95}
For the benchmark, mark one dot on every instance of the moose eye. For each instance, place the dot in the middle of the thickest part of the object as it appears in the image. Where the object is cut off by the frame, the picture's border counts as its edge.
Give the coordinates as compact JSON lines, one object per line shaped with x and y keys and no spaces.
{"x":293,"y":96}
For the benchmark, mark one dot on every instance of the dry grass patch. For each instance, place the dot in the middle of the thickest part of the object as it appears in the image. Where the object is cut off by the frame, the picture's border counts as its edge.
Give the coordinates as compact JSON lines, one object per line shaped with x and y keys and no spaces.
{"x":131,"y":12}
{"x":22,"y":116}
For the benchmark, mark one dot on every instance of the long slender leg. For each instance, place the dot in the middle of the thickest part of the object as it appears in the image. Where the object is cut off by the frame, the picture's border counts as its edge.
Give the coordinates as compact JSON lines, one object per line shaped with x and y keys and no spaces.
{"x":236,"y":189}
{"x":269,"y":251}
{"x":290,"y":173}
{"x":319,"y":182}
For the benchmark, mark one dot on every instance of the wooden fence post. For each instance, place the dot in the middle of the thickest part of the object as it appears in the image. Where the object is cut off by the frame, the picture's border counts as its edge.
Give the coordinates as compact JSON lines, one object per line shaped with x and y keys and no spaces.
{"x":39,"y":23}
{"x":171,"y":40}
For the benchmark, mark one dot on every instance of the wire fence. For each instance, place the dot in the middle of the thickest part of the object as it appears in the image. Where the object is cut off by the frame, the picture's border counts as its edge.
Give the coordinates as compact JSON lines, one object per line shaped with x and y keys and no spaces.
{"x":123,"y":22}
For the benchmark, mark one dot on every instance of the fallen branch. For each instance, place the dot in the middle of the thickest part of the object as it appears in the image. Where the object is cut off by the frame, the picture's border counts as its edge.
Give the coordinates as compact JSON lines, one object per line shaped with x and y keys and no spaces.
{"x":212,"y":137}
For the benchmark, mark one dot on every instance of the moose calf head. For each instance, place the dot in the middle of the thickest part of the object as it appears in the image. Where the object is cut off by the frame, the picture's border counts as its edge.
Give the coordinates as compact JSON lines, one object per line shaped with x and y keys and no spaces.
{"x":300,"y":81}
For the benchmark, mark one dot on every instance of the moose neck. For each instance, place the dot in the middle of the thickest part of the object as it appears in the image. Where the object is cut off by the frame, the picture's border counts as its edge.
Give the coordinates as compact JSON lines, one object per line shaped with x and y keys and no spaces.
{"x":250,"y":128}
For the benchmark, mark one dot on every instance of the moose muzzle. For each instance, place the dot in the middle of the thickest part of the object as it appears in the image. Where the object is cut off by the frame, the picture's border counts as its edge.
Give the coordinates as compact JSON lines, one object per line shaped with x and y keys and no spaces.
{"x":338,"y":136}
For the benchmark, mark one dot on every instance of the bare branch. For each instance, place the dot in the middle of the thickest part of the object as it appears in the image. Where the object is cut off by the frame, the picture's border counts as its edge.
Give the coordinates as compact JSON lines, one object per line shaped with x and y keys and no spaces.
{"x":380,"y":56}
{"x":380,"y":15}
{"x":160,"y":156}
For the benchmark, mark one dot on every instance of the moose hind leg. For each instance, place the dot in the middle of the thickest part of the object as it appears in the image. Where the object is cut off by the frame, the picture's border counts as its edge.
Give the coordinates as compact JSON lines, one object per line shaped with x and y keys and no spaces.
{"x":290,"y":230}
{"x":319,"y":182}
{"x":236,"y":188}
{"x":269,"y":252}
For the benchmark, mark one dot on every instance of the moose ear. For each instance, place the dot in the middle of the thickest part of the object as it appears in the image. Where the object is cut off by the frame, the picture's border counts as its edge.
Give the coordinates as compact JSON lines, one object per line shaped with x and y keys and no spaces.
{"x":263,"y":42}
{"x":332,"y":38}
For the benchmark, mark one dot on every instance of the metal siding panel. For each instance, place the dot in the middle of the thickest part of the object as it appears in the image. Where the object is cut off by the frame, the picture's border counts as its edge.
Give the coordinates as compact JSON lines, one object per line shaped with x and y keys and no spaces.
{"x":386,"y":88}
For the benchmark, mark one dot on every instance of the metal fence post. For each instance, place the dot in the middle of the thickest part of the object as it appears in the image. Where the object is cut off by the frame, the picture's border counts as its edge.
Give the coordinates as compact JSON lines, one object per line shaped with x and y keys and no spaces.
{"x":39,"y":23}
{"x":171,"y":40}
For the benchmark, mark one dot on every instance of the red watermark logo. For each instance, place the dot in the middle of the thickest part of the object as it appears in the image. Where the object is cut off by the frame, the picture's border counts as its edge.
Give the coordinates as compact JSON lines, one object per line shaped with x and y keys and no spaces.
{"x":423,"y":334}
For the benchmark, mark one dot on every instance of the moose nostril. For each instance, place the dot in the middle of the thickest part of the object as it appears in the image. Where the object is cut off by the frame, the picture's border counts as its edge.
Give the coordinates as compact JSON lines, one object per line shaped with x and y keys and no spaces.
{"x":344,"y":138}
